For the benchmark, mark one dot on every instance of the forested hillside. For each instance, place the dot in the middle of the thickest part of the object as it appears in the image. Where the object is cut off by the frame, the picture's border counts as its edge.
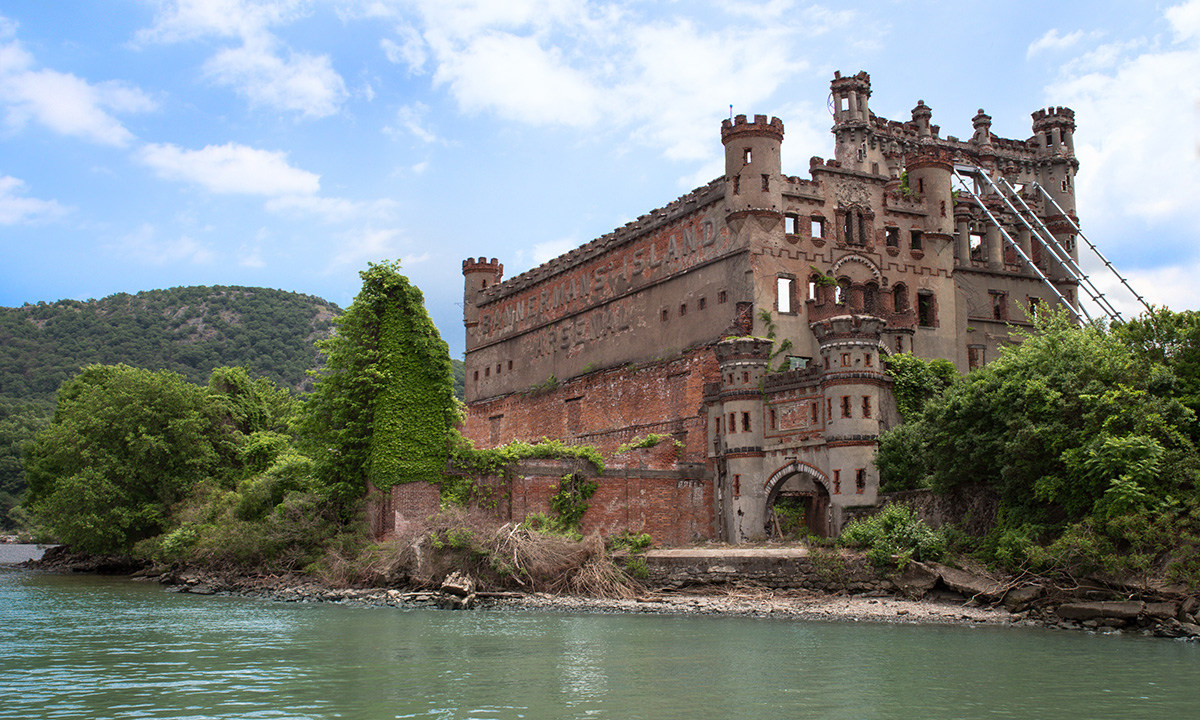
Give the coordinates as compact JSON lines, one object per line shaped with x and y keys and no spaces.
{"x":188,"y":330}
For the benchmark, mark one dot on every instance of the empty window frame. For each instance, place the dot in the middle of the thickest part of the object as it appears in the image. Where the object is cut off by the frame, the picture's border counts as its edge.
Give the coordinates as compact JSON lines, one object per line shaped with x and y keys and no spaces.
{"x":917,"y":240}
{"x":892,"y":237}
{"x":791,"y":225}
{"x":818,"y":227}
{"x":785,"y":288}
{"x":999,"y":305}
{"x":846,"y":406}
{"x":926,"y":310}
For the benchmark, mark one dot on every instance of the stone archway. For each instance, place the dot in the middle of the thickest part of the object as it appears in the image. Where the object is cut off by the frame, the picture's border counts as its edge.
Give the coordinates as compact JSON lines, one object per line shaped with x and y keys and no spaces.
{"x":798,"y":485}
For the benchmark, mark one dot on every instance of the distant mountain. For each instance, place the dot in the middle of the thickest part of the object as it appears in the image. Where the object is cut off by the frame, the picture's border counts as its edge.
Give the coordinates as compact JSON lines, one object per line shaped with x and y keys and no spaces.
{"x":189,"y":330}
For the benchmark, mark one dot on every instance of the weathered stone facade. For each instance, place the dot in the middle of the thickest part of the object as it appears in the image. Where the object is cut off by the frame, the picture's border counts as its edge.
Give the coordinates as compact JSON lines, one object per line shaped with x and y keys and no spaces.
{"x":752,"y":318}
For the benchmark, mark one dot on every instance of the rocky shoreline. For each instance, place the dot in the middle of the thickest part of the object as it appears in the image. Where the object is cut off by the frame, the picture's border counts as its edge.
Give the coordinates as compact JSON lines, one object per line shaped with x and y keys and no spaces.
{"x":939,"y":604}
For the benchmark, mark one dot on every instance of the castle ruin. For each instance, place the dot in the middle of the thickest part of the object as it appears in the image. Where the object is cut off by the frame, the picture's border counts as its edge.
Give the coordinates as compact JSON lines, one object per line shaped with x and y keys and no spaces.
{"x":751,"y":319}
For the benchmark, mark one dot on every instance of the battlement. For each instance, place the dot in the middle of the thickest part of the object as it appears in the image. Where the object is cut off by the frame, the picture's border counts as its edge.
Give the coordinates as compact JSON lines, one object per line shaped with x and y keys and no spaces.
{"x":759,"y":128}
{"x":1051,"y":114}
{"x":679,"y":208}
{"x":471,"y":265}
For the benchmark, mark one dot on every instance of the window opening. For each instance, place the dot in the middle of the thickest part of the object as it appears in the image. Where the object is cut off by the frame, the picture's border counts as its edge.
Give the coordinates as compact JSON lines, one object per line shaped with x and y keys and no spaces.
{"x":666,"y":314}
{"x":746,"y":421}
{"x":747,"y":155}
{"x":682,"y":309}
{"x":893,"y":237}
{"x":860,"y":480}
{"x":917,"y":240}
{"x":791,"y":224}
{"x":925,"y":310}
{"x":721,"y":297}
{"x":999,"y":306}
{"x":866,"y":408}
{"x":766,"y":182}
{"x":837,"y":482}
{"x":702,"y":303}
{"x":845,"y":406}
{"x":783,"y":294}
{"x":818,"y":227}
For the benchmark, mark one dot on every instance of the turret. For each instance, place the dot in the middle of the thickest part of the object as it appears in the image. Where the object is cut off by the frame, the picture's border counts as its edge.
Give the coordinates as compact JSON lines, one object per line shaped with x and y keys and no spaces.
{"x":930,"y":170}
{"x":478,"y":275}
{"x":1054,"y":135}
{"x":852,"y":121}
{"x":853,"y":383}
{"x":753,"y":169}
{"x":743,"y":362}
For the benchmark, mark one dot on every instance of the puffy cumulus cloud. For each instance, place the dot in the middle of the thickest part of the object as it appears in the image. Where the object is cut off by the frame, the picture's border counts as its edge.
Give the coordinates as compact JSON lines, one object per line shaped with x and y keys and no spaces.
{"x":1137,"y":108}
{"x":231,"y":168}
{"x":409,"y":51}
{"x":261,"y":69}
{"x":15,"y":208}
{"x":144,"y":246}
{"x":302,"y":83}
{"x":63,"y":102}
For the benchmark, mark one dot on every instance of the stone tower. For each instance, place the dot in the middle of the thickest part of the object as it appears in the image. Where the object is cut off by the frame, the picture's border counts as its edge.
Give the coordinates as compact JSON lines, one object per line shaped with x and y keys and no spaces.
{"x":743,"y":362}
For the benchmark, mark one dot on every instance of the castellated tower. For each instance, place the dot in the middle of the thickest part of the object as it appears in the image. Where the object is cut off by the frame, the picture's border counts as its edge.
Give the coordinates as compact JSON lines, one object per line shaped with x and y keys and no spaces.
{"x":478,"y":275}
{"x":857,"y":148}
{"x":753,"y":169}
{"x":857,"y":393}
{"x":743,"y":362}
{"x":1054,"y":134}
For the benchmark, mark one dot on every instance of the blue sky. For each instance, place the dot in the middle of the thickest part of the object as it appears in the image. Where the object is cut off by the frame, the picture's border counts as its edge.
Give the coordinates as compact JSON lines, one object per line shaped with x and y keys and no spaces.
{"x":287,"y":143}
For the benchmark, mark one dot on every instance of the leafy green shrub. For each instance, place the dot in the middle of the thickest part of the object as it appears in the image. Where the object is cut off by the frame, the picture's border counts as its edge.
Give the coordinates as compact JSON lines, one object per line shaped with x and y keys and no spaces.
{"x":894,"y":535}
{"x":629,"y":541}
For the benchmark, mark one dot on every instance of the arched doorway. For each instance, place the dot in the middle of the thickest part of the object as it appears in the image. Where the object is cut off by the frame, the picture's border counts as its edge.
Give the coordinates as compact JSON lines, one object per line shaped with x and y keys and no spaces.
{"x":797,"y":503}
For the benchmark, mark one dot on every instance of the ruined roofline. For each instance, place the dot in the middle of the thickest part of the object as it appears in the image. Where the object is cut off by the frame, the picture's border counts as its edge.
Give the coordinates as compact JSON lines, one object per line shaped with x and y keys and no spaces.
{"x":684,"y":205}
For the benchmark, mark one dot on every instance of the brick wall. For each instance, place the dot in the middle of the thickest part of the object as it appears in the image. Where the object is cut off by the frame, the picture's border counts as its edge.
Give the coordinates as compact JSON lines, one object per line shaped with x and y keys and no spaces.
{"x":605,"y":408}
{"x":675,"y":506}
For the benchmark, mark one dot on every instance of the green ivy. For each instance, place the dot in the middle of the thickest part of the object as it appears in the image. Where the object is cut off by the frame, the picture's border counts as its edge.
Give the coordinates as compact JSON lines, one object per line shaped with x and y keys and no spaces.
{"x":383,"y":407}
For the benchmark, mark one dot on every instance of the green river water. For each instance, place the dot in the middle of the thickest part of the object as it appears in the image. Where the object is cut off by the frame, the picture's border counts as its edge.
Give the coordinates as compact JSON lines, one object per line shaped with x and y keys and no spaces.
{"x":93,"y":647}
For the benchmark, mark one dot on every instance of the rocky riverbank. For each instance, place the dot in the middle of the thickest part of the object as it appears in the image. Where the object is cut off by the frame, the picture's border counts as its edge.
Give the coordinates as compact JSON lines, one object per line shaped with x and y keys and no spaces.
{"x":926,"y":594}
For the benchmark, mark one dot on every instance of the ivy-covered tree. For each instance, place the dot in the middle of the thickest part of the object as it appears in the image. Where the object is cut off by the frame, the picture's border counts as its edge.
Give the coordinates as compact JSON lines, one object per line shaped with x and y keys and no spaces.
{"x":383,"y":406}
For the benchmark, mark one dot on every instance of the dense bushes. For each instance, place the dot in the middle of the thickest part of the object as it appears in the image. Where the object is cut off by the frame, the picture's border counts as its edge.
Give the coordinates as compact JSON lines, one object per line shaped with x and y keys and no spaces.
{"x":1081,"y":433}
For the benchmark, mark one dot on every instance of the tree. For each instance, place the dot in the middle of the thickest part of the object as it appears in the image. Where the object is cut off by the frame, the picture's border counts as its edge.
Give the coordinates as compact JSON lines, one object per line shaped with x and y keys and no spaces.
{"x":383,"y":406}
{"x":1063,"y":426}
{"x":124,"y":445}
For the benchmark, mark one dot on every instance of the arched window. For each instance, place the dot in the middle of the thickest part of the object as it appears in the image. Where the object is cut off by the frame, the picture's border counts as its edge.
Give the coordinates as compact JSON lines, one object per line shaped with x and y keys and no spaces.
{"x":899,"y":298}
{"x":843,"y":291}
{"x":814,"y":287}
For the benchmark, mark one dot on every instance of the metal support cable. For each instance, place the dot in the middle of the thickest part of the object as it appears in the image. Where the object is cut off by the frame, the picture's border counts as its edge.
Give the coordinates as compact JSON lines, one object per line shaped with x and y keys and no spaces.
{"x":1050,"y":199}
{"x":1019,"y":251}
{"x":1048,"y":241}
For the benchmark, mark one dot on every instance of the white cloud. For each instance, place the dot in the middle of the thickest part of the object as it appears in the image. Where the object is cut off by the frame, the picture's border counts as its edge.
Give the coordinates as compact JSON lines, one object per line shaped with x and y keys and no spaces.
{"x":410,"y":51}
{"x":192,"y":19}
{"x":302,"y":83}
{"x":260,"y":68}
{"x":63,"y":102}
{"x":250,"y":256}
{"x":143,"y":246}
{"x":411,"y":118}
{"x":14,"y":208}
{"x":231,"y":168}
{"x":359,"y":247}
{"x":1052,"y":40}
{"x":1137,"y":119}
{"x":331,"y":209}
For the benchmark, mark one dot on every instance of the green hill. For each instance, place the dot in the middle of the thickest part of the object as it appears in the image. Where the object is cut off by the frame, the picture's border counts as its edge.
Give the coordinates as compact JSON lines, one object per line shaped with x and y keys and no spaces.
{"x":189,"y":330}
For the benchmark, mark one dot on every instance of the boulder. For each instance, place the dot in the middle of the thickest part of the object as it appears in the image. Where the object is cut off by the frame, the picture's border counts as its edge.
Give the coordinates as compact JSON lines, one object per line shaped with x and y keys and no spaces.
{"x":916,"y":580}
{"x":1120,"y":610}
{"x":966,"y":583}
{"x":1019,"y":598}
{"x":1172,"y":628}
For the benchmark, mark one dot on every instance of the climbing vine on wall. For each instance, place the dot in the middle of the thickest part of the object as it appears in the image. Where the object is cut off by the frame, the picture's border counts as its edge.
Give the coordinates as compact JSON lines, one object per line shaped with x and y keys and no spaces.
{"x":383,"y":407}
